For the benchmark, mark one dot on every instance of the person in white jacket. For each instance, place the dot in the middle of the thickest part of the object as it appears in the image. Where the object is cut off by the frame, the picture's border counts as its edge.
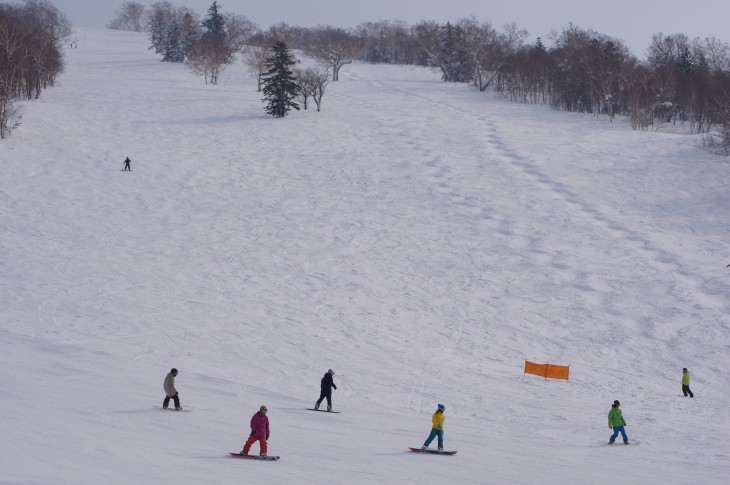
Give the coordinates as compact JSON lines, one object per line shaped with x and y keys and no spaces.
{"x":170,"y":391}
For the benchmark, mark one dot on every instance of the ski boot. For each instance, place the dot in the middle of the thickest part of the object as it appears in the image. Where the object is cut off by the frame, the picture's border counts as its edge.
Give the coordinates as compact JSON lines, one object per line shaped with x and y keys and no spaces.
{"x":178,"y":408}
{"x":316,"y":406}
{"x":329,"y":408}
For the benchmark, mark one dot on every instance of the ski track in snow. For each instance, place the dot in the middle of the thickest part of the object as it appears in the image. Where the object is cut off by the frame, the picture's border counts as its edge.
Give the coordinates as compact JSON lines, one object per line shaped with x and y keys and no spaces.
{"x":420,"y":238}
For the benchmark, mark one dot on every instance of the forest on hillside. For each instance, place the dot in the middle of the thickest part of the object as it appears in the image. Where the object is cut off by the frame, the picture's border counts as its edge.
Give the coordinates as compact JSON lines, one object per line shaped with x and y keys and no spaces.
{"x":681,"y":81}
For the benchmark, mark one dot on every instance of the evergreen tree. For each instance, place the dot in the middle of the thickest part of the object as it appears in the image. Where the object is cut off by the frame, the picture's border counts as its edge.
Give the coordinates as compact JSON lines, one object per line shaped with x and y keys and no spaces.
{"x":214,"y":24}
{"x":157,"y":32}
{"x":452,"y":53}
{"x":188,"y":34}
{"x":173,"y":48}
{"x":280,"y":85}
{"x":447,"y":52}
{"x":540,"y":46}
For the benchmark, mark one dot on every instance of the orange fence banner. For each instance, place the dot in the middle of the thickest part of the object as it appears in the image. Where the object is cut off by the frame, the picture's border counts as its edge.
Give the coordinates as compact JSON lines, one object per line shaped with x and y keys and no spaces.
{"x":548,"y":371}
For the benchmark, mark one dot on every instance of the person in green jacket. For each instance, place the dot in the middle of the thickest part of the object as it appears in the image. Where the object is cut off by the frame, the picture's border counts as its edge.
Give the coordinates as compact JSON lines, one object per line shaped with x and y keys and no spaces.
{"x":685,"y":383}
{"x":616,"y":422}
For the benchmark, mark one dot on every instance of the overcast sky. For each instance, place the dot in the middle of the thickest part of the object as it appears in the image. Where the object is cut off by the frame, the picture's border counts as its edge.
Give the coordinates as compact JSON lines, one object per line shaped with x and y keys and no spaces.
{"x":633,"y":21}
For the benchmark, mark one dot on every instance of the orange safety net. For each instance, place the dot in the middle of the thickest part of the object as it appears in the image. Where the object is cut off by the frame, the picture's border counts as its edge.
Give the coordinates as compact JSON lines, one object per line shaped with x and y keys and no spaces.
{"x":547,"y":370}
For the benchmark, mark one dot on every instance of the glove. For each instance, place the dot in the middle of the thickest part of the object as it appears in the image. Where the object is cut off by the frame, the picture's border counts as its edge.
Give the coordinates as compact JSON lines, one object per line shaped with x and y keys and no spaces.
{"x":267,"y":437}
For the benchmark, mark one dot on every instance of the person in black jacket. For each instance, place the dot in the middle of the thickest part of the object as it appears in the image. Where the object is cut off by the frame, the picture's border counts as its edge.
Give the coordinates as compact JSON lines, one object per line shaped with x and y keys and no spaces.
{"x":327,"y":385}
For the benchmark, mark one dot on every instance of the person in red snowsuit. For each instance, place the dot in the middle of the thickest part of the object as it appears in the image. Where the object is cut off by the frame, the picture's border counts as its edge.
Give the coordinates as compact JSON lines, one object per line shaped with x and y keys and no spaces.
{"x":259,"y":431}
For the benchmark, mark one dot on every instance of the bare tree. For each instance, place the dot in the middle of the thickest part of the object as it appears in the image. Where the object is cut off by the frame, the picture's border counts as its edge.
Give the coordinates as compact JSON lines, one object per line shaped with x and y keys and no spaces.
{"x":130,"y":16}
{"x":9,"y":116}
{"x":486,"y":49}
{"x":312,"y":82}
{"x":209,"y":59}
{"x":49,"y":19}
{"x":255,"y":58}
{"x":333,"y":47}
{"x":30,"y":57}
{"x":214,"y":51}
{"x":239,"y":30}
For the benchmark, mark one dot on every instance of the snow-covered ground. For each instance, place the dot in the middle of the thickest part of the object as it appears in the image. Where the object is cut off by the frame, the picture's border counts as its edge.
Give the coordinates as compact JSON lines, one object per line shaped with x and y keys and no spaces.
{"x":420,"y":238}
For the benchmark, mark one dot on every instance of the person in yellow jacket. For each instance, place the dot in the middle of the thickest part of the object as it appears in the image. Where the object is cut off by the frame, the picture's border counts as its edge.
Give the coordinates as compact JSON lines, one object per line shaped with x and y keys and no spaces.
{"x":438,"y":428}
{"x":685,"y":383}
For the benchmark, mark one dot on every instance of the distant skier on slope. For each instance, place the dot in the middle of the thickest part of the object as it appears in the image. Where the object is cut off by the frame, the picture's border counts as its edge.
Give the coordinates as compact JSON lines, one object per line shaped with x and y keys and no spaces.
{"x":170,"y":391}
{"x":685,"y":383}
{"x":437,"y":429}
{"x":126,"y":164}
{"x":259,"y":432}
{"x":326,"y":386}
{"x":616,"y":422}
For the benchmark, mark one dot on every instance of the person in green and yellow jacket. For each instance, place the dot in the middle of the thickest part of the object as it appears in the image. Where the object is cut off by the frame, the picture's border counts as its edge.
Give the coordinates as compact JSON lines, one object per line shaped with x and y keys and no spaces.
{"x":616,"y":422}
{"x":438,"y":428}
{"x":685,"y":383}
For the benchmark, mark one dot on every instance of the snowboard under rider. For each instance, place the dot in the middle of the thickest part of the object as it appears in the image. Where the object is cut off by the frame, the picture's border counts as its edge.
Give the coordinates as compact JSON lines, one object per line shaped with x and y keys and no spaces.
{"x":437,"y":430}
{"x":259,"y":432}
{"x":170,"y":391}
{"x":326,"y":386}
{"x":126,"y":164}
{"x":617,"y":422}
{"x":685,"y":383}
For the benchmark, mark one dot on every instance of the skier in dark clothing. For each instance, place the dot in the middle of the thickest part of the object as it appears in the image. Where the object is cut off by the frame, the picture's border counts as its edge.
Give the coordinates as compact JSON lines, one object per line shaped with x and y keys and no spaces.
{"x":326,"y":390}
{"x":126,"y":164}
{"x":170,"y":391}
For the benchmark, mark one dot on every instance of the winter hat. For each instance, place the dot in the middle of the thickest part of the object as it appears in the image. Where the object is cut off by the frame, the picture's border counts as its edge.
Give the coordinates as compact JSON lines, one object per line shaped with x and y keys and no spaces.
{"x":173,"y":371}
{"x":263,"y":408}
{"x":617,"y":403}
{"x":684,"y":370}
{"x":442,"y":407}
{"x":330,"y":371}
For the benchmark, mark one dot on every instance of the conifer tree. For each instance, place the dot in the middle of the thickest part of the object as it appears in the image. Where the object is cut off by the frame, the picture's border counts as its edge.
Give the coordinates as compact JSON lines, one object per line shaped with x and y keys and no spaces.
{"x":157,"y":32}
{"x":280,"y":85}
{"x":188,"y":34}
{"x":173,"y":49}
{"x":452,"y":53}
{"x":214,"y":24}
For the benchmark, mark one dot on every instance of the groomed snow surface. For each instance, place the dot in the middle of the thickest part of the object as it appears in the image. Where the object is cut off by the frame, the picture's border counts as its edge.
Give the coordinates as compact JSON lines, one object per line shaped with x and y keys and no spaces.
{"x":420,"y":238}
